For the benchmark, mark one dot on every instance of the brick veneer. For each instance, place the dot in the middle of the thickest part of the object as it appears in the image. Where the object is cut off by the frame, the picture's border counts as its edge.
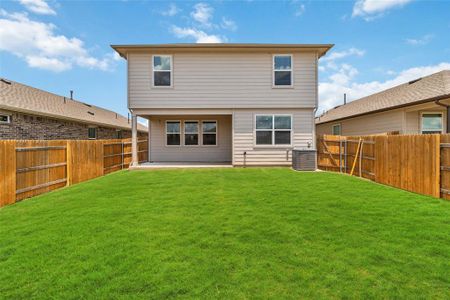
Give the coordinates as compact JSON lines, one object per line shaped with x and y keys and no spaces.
{"x":30,"y":127}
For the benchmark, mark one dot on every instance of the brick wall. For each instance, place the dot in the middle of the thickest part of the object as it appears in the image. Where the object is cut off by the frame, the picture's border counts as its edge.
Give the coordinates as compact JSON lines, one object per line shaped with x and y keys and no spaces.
{"x":30,"y":127}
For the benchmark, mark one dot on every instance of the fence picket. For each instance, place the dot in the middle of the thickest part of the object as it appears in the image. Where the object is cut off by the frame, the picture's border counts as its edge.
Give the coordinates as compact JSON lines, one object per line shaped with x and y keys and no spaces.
{"x":33,"y":167}
{"x":409,"y":162}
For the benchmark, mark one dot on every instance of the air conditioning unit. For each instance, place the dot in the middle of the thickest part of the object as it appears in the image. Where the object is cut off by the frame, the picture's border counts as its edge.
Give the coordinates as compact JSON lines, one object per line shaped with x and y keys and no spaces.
{"x":304,"y":159}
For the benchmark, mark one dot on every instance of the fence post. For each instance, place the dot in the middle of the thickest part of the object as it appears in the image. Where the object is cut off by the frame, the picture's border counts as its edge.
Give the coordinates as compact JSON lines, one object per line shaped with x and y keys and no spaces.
{"x":438,"y":166}
{"x":7,"y":172}
{"x":68,"y":163}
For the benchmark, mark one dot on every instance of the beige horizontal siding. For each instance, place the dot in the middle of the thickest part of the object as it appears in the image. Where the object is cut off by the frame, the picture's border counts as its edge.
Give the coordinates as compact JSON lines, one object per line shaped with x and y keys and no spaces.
{"x":366,"y":125}
{"x":244,"y":138}
{"x":221,"y":80}
{"x":404,"y":120}
{"x":159,"y":152}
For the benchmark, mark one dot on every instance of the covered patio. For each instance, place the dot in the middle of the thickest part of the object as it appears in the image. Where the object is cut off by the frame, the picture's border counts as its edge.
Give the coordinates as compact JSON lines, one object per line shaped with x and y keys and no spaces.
{"x":184,"y":139}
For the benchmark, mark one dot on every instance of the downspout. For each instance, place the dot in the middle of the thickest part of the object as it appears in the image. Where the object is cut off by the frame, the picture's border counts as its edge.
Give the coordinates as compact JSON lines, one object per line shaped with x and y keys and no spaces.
{"x":448,"y":113}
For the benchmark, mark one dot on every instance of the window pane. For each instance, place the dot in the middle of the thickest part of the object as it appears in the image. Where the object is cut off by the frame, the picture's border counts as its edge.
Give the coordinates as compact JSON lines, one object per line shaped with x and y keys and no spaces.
{"x":173,"y":127}
{"x":92,"y":133}
{"x":432,"y":122}
{"x":191,"y":139}
{"x":282,"y":122}
{"x":209,"y":139}
{"x":337,"y":130}
{"x":264,"y":138}
{"x":282,"y":137}
{"x":264,"y":122}
{"x":4,"y":118}
{"x":161,"y":63}
{"x":161,"y":78}
{"x":173,"y":139}
{"x":282,"y":63}
{"x":209,"y":127}
{"x":191,"y":127}
{"x":282,"y":77}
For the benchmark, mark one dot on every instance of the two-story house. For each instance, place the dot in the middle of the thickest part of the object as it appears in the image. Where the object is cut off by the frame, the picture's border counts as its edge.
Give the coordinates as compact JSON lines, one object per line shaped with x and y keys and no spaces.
{"x":245,"y":104}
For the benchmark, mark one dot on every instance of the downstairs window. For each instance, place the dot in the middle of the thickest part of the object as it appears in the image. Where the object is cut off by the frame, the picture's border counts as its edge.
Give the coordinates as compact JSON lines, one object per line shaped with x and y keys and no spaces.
{"x":273,"y":129}
{"x":432,"y":123}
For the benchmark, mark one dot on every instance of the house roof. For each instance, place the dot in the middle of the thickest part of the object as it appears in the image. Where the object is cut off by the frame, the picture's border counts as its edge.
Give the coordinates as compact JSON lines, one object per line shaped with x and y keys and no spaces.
{"x":426,"y":89}
{"x":221,"y":47}
{"x":18,"y":97}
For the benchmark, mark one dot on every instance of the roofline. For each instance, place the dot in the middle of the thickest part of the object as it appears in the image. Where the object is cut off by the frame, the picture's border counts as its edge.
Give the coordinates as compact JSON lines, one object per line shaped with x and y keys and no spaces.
{"x":122,"y":49}
{"x":60,"y":117}
{"x":432,"y":99}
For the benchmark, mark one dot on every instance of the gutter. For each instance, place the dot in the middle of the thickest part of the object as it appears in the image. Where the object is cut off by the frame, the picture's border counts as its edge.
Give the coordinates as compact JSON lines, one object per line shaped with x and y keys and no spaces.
{"x":433,"y":99}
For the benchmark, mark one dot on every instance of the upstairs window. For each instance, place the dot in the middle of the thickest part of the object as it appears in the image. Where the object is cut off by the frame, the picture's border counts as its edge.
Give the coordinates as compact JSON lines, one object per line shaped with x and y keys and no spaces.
{"x":432,"y":123}
{"x":273,"y":129}
{"x":282,"y":70}
{"x":118,"y":134}
{"x":191,"y":133}
{"x":162,"y":70}
{"x":173,"y":133}
{"x":92,"y":133}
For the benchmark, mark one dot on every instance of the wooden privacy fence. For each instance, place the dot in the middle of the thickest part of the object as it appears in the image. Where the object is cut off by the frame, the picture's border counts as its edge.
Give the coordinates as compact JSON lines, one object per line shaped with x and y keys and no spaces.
{"x":29,"y":168}
{"x":417,"y":163}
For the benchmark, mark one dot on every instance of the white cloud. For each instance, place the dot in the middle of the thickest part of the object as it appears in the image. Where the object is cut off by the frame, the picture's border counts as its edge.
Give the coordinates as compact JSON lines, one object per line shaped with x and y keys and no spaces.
{"x":41,"y":47}
{"x":200,"y":25}
{"x":199,"y":35}
{"x":203,"y":14}
{"x":300,"y":10}
{"x":331,"y":91}
{"x":345,"y":53}
{"x":370,"y":9}
{"x":46,"y":63}
{"x":420,"y":41}
{"x":171,"y":11}
{"x":38,"y":6}
{"x":228,"y":24}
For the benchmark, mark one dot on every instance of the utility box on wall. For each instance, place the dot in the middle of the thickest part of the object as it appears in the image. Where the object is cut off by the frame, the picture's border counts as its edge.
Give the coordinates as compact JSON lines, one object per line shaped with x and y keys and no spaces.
{"x":304,"y":160}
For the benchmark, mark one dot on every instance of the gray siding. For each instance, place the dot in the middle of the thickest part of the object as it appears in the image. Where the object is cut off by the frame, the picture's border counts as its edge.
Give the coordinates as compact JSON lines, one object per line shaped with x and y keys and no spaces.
{"x":159,"y":152}
{"x":221,"y":80}
{"x":244,"y":137}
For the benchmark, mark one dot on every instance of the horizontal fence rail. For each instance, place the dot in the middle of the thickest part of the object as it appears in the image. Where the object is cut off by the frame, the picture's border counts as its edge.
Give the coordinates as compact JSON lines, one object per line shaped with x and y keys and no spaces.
{"x":417,"y":163}
{"x":29,"y":168}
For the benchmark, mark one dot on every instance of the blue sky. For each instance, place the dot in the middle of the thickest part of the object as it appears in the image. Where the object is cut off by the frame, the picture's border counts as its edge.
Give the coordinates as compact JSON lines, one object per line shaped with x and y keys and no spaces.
{"x":65,"y":45}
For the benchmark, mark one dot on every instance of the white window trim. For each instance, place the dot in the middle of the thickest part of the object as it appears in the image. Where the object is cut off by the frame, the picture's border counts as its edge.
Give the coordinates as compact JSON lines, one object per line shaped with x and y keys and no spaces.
{"x":432,"y":113}
{"x":340,"y":128}
{"x":181,"y":133}
{"x":291,"y":70}
{"x":96,"y":132}
{"x":8,"y":119}
{"x":184,"y":133}
{"x":216,"y":133}
{"x":273,"y":145}
{"x":171,"y":71}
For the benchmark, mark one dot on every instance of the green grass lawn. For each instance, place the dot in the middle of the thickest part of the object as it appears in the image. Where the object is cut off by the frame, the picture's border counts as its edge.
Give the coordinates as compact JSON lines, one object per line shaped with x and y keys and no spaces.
{"x":226,"y":233}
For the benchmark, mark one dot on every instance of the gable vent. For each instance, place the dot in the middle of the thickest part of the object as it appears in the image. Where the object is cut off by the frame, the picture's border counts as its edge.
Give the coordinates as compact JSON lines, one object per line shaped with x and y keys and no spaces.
{"x":414,"y":81}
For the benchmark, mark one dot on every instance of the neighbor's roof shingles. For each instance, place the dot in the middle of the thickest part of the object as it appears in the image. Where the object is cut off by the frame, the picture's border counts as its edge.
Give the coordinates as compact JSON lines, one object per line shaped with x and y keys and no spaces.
{"x":416,"y":91}
{"x":15,"y":96}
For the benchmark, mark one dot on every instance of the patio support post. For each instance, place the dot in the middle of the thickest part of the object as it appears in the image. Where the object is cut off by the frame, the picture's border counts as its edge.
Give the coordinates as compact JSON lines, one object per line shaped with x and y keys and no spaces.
{"x":134,"y":152}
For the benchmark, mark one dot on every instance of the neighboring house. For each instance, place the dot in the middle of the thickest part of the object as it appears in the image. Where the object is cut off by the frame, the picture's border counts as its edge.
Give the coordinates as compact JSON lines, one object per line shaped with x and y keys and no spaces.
{"x":416,"y":107}
{"x":238,"y":103}
{"x":31,"y":114}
